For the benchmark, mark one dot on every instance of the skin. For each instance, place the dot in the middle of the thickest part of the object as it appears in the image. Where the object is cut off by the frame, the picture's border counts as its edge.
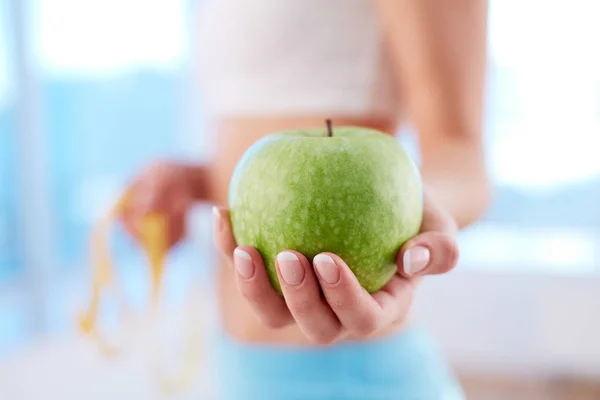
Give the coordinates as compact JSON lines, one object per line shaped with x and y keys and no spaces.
{"x":438,"y":48}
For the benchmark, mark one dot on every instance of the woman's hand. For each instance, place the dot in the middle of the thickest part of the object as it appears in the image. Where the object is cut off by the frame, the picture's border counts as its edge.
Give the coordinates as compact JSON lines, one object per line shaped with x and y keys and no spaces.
{"x":344,"y":308}
{"x":164,"y":188}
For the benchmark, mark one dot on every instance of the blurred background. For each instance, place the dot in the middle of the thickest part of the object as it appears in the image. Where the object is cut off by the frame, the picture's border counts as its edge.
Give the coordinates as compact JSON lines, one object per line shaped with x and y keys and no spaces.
{"x":91,"y":91}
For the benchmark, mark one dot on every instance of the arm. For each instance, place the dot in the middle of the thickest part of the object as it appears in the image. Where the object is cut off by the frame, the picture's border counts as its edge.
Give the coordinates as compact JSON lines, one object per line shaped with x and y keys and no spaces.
{"x":439,"y":48}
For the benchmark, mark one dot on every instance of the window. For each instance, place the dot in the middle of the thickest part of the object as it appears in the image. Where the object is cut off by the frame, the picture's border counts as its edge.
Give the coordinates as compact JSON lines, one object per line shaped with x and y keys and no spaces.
{"x":104,"y":103}
{"x":111,"y":99}
{"x":543,"y":129}
{"x":12,"y":301}
{"x":9,"y":255}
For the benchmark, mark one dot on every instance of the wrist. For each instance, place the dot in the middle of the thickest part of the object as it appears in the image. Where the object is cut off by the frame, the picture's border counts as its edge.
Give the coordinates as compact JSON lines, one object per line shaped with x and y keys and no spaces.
{"x":456,"y":172}
{"x":466,"y":199}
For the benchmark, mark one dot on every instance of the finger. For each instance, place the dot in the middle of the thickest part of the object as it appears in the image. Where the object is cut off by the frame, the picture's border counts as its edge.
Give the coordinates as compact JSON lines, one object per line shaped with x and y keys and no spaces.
{"x":147,"y":189}
{"x":253,"y":283}
{"x":222,"y":232}
{"x":356,"y":309}
{"x":143,"y":201}
{"x":130,"y":223}
{"x":435,"y":218}
{"x":147,"y":197}
{"x":177,"y":213}
{"x":429,"y":253}
{"x":304,"y":299}
{"x":176,"y":228}
{"x":435,"y":250}
{"x":395,"y":298}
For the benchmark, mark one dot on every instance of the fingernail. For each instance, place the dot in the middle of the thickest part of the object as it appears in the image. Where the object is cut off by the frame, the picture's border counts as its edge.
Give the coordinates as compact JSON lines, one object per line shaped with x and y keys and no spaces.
{"x":415,"y":259}
{"x":326,"y":268}
{"x":243,"y":263}
{"x":218,"y":220}
{"x":291,"y":270}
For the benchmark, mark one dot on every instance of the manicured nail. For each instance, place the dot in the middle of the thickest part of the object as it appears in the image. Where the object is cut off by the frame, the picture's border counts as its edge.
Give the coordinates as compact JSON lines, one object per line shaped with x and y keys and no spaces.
{"x":291,"y":270}
{"x":243,"y":263}
{"x":326,"y":268}
{"x":218,"y":220}
{"x":415,"y":259}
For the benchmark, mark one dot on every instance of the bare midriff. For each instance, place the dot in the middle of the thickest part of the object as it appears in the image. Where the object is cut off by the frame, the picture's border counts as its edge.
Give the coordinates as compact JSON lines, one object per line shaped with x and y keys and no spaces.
{"x":233,"y":138}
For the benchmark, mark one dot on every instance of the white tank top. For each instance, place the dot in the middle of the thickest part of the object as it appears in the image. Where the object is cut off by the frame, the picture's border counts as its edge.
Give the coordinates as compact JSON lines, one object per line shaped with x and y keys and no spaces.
{"x":300,"y":57}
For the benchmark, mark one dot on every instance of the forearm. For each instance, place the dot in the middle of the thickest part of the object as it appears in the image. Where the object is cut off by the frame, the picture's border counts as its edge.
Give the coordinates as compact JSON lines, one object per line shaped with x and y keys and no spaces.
{"x":439,"y":48}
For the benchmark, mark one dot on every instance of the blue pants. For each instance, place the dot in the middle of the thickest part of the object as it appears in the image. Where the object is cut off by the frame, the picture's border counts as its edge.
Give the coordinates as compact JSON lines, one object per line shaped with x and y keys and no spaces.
{"x":403,"y":366}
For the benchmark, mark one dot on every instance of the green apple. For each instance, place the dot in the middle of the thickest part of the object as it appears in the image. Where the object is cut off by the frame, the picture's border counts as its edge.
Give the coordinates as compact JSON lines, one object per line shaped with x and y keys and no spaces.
{"x":351,"y":191}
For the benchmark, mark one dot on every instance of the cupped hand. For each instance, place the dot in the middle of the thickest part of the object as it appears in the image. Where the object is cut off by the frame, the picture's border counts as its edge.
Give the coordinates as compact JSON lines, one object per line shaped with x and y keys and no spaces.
{"x":325,"y":299}
{"x":163,"y":188}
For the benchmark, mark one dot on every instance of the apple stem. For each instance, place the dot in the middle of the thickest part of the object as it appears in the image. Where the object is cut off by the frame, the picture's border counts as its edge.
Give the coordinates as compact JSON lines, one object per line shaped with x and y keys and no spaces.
{"x":329,"y":129}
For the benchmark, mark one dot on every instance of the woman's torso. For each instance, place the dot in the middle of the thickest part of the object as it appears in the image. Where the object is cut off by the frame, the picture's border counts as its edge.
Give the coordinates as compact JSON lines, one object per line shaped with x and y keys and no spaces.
{"x":269,"y":65}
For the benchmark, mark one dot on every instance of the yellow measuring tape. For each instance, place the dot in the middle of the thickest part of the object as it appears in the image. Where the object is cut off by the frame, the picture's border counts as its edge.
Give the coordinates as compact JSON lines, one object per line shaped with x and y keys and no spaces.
{"x":153,"y":239}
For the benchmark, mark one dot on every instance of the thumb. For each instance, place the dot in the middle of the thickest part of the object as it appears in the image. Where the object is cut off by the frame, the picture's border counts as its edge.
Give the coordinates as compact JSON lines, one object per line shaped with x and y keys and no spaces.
{"x":222,"y":232}
{"x":434,"y":251}
{"x":429,"y":253}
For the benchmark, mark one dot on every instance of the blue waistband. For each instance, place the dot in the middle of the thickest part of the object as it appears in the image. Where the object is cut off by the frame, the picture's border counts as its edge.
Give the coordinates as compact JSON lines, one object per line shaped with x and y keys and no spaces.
{"x":402,"y":366}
